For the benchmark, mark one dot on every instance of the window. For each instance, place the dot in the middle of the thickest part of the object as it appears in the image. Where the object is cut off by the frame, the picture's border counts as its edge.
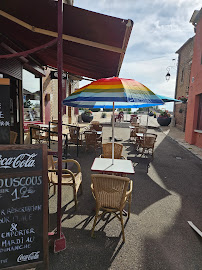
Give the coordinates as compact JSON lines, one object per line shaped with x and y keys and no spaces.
{"x":199,"y":122}
{"x":182,"y":75}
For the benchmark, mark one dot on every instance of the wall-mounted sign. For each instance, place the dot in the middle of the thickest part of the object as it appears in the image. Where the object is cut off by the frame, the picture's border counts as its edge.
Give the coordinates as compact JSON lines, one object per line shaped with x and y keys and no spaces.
{"x":54,"y":75}
{"x":24,"y":206}
{"x":5,"y":121}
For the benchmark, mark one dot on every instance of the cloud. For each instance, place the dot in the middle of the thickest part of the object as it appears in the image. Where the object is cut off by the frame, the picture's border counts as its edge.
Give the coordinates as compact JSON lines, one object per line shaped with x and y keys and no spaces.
{"x":160,"y":28}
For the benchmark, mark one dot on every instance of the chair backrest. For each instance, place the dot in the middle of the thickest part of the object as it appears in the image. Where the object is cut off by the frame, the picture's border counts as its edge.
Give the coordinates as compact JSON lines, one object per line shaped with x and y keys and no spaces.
{"x":133,"y":119}
{"x":107,"y":150}
{"x":149,"y":139}
{"x":55,"y":123}
{"x":74,"y":134}
{"x":51,"y":166}
{"x":13,"y":137}
{"x":121,"y":115}
{"x":133,"y":132}
{"x":110,"y":190}
{"x":95,"y":125}
{"x":142,"y":129}
{"x":90,"y":137}
{"x":135,"y":124}
{"x":35,"y":131}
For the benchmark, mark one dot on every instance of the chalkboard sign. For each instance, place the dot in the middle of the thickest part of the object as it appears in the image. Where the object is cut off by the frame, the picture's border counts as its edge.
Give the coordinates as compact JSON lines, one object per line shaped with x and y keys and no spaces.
{"x":5,"y":118}
{"x":23,"y":206}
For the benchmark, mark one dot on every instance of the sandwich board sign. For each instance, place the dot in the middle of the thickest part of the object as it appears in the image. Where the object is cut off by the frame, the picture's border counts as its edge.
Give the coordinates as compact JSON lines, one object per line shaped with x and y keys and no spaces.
{"x":24,"y":206}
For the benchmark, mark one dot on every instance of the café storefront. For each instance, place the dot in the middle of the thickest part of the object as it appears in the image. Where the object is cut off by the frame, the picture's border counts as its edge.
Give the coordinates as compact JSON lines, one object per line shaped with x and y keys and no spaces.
{"x":74,"y":40}
{"x":12,"y":69}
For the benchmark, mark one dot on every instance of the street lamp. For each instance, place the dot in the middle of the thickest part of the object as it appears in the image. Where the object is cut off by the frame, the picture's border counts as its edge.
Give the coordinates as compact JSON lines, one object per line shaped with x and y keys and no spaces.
{"x":168,"y":70}
{"x":168,"y":75}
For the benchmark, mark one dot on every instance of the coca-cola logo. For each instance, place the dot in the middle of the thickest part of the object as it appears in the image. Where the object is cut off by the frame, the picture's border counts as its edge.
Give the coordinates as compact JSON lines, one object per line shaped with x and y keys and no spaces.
{"x":23,"y":160}
{"x":30,"y":257}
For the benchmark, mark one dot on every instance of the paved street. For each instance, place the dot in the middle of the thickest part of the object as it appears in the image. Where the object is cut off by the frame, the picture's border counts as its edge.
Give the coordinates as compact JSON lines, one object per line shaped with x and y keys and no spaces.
{"x":167,"y":192}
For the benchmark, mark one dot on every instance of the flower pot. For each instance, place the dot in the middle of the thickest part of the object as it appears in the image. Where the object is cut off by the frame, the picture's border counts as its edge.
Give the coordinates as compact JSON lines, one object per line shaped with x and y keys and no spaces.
{"x":86,"y":118}
{"x":164,"y":121}
{"x":151,"y":114}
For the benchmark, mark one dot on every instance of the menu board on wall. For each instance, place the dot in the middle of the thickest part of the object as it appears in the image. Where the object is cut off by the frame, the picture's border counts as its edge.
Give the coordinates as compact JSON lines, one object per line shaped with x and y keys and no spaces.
{"x":23,"y":211}
{"x":4,"y":111}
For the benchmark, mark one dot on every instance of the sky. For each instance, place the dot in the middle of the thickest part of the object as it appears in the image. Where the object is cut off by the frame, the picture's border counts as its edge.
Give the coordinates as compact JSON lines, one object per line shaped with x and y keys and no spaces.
{"x":160,"y":28}
{"x":30,"y":82}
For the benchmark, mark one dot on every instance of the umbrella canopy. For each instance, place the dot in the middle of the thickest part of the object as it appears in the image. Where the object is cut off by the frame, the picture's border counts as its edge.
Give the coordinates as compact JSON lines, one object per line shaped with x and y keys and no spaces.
{"x":168,"y":99}
{"x":113,"y":93}
{"x":116,"y":90}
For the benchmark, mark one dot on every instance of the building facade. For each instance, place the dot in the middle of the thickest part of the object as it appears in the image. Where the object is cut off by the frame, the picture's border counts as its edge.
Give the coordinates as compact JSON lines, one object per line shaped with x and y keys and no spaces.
{"x":185,"y":54}
{"x":193,"y":130}
{"x":50,"y":98}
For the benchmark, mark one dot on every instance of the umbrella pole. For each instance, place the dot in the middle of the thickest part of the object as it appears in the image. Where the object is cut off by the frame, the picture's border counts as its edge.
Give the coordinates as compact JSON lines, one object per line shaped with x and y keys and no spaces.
{"x":147,"y":117}
{"x":113,"y":135}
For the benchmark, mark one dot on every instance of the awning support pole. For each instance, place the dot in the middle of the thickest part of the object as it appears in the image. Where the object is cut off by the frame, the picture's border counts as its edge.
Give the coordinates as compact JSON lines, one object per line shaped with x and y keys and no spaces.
{"x":60,"y":67}
{"x":113,"y":135}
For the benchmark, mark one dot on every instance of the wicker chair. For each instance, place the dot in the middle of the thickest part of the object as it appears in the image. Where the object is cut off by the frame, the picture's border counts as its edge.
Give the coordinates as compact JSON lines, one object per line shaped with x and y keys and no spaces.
{"x":147,"y":143}
{"x":54,"y":131}
{"x":138,"y":140}
{"x":135,"y":124}
{"x":142,"y":129}
{"x":95,"y":125}
{"x":133,"y":118}
{"x":133,"y":132}
{"x":111,"y":194}
{"x":69,"y":178}
{"x":13,"y":137}
{"x":75,"y":135}
{"x":35,"y":133}
{"x":107,"y":150}
{"x":92,"y":140}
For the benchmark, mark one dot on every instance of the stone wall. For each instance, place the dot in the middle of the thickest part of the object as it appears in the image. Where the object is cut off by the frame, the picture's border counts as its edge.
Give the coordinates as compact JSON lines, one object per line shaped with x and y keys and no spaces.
{"x":180,"y":116}
{"x":182,"y":82}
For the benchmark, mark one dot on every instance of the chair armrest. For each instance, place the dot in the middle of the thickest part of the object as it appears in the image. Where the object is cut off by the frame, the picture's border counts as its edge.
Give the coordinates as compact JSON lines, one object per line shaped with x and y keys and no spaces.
{"x":66,"y":171}
{"x":74,"y":161}
{"x":92,"y":189}
{"x":131,"y":188}
{"x":53,"y":170}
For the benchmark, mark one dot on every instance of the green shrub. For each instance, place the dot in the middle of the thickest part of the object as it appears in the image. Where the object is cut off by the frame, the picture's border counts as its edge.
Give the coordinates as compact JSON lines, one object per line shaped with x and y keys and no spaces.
{"x":95,"y":110}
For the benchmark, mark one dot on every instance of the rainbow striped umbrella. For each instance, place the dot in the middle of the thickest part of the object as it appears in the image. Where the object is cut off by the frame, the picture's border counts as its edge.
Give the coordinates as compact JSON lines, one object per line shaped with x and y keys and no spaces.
{"x":113,"y":92}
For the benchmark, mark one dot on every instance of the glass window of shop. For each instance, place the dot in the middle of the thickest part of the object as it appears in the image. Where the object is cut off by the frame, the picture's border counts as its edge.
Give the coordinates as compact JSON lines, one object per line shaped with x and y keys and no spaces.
{"x":31,"y":97}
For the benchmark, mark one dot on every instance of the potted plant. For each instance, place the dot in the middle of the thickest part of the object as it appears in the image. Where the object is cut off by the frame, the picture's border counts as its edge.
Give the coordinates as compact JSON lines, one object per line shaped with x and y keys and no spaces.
{"x":183,"y":99}
{"x":87,"y":116}
{"x":154,"y":115}
{"x":164,"y":118}
{"x":151,"y":113}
